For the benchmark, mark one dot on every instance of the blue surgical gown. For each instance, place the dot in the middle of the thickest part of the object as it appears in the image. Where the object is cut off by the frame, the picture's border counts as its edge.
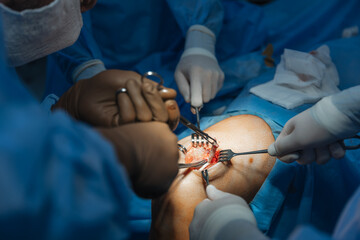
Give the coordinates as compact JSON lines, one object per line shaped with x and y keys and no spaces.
{"x":348,"y":226}
{"x":149,"y":35}
{"x":59,"y":179}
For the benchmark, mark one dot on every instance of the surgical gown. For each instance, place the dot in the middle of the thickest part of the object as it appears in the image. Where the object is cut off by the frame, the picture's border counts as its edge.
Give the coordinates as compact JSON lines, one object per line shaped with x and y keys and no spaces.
{"x":150,"y":35}
{"x":59,"y":179}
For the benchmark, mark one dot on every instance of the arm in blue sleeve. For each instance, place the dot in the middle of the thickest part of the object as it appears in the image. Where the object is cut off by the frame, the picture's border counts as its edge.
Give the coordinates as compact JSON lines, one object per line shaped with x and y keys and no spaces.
{"x":209,"y":13}
{"x":58,"y":179}
{"x":82,"y":59}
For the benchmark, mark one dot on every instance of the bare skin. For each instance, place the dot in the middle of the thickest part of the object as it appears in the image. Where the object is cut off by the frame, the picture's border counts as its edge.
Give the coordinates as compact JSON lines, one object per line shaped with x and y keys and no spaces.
{"x":243,"y":176}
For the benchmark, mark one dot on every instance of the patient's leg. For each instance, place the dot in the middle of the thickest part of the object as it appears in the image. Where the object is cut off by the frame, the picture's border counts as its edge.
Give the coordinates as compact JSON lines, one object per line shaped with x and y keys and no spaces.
{"x":243,"y":176}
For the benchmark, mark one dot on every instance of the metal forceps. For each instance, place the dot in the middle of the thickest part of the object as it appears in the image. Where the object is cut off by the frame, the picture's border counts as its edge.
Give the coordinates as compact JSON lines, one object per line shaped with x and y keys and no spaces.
{"x":197,"y":130}
{"x":205,"y":176}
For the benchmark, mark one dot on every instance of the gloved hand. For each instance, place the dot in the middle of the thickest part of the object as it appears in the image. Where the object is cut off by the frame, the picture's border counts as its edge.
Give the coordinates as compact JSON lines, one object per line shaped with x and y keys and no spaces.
{"x":305,"y":140}
{"x":95,"y":101}
{"x":198,"y":74}
{"x":149,"y":153}
{"x":215,"y":212}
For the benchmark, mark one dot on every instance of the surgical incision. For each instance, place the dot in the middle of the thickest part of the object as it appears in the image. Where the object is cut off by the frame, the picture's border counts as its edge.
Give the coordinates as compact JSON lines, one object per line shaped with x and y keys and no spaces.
{"x":208,"y":152}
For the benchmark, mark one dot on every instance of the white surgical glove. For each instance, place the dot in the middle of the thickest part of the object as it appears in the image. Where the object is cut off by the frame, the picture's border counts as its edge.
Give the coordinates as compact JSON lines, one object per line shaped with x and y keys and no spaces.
{"x":198,"y":74}
{"x":313,"y":135}
{"x":214,"y":214}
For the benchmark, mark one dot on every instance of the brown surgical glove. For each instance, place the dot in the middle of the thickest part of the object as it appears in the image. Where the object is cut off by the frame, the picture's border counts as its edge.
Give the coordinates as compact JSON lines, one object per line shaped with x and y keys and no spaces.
{"x":95,"y":101}
{"x":149,"y":153}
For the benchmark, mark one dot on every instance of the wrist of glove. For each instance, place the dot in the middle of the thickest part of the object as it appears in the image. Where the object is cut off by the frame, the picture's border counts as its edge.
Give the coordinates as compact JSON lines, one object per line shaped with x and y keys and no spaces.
{"x":149,"y":153}
{"x":213,"y":214}
{"x":97,"y":102}
{"x":306,"y":138}
{"x":198,"y":74}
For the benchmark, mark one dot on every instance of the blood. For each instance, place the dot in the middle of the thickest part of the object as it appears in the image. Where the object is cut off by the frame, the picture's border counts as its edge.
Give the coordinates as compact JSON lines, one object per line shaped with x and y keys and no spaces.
{"x":207,"y":152}
{"x":251,"y":160}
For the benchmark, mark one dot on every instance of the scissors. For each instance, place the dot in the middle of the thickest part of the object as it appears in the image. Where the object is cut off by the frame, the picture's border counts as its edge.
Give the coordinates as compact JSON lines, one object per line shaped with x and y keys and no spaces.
{"x":203,"y":134}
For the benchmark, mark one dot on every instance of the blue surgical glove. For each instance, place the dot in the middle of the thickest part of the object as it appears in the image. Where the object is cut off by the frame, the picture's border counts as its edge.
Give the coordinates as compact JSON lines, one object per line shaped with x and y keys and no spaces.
{"x":198,"y":74}
{"x":212,"y":215}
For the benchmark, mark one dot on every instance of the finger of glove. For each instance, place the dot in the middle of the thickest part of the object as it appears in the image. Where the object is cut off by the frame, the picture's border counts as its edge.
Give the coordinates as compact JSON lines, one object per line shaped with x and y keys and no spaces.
{"x":285,"y":142}
{"x":221,"y":81}
{"x":183,"y":85}
{"x":143,"y":112}
{"x":307,"y":156}
{"x":155,"y":102}
{"x":167,"y":93}
{"x":126,"y":110}
{"x":215,"y":84}
{"x":322,"y":155}
{"x":289,"y":158}
{"x":214,"y":194}
{"x":173,"y":113}
{"x":206,"y":84}
{"x":336,"y":150}
{"x":196,"y":91}
{"x":199,"y":218}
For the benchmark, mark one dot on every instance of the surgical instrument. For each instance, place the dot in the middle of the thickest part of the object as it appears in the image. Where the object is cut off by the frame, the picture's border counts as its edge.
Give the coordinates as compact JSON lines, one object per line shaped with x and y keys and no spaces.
{"x":197,"y":109}
{"x":204,"y":135}
{"x":182,"y":148}
{"x":205,"y":175}
{"x":151,"y":73}
{"x":228,"y":154}
{"x":198,"y":141}
{"x":193,"y":164}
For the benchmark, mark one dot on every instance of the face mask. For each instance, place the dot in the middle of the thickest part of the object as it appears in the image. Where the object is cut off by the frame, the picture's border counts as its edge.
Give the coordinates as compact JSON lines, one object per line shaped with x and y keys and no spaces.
{"x":36,"y":33}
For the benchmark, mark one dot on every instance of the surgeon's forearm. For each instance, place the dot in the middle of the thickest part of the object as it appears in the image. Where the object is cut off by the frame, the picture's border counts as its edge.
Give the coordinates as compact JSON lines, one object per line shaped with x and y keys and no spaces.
{"x":339,"y":113}
{"x":82,"y":57}
{"x":209,"y":13}
{"x":348,"y":102}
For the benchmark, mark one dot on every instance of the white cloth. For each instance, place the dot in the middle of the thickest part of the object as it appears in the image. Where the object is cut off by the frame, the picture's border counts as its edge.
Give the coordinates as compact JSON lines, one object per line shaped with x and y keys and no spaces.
{"x":35,"y":33}
{"x":301,"y":78}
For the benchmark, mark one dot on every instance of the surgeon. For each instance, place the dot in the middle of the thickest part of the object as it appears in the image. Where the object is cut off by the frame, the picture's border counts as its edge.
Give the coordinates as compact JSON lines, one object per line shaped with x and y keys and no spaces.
{"x":312,"y":135}
{"x":147,"y":27}
{"x":59,"y":178}
{"x":177,"y":39}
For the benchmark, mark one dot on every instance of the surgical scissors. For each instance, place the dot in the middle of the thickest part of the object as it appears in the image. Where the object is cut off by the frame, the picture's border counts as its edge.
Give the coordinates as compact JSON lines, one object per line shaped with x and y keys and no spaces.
{"x":151,"y":73}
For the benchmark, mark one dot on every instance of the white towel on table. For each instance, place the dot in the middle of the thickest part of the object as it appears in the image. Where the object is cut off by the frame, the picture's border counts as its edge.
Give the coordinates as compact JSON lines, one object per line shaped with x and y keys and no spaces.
{"x":301,"y":78}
